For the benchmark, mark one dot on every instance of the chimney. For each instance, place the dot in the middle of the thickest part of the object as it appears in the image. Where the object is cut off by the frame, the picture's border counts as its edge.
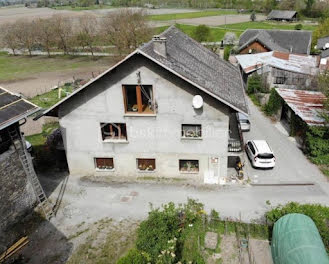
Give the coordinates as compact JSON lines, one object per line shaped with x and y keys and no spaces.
{"x":159,"y":45}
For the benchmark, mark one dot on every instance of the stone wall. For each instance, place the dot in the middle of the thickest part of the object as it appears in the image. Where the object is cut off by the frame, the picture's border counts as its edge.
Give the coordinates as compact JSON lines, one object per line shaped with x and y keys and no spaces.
{"x":16,"y":193}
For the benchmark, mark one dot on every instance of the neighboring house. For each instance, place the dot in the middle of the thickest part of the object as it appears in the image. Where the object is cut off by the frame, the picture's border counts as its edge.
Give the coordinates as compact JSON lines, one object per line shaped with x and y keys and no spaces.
{"x":323,"y":46}
{"x":261,"y":40}
{"x":163,"y":111}
{"x":282,"y":70}
{"x":16,"y":193}
{"x":282,"y":15}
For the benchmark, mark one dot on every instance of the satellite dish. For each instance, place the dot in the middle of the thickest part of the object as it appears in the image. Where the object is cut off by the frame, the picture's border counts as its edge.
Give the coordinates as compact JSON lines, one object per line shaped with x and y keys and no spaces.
{"x":197,"y":102}
{"x":326,"y":46}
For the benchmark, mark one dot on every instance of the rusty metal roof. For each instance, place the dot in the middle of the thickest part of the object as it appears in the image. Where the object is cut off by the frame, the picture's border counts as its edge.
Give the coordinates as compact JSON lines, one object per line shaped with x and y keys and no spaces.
{"x":308,"y":105}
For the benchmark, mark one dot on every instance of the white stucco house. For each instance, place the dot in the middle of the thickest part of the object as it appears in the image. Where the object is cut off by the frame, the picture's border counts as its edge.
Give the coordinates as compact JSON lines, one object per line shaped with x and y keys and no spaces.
{"x":138,"y":118}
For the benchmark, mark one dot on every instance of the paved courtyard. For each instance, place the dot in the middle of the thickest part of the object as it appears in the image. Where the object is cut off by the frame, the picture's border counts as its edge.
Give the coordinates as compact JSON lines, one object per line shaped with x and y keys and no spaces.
{"x":291,"y":164}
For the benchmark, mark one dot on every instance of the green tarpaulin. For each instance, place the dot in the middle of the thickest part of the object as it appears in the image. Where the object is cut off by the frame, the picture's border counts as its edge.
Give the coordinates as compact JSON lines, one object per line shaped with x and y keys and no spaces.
{"x":296,"y":240}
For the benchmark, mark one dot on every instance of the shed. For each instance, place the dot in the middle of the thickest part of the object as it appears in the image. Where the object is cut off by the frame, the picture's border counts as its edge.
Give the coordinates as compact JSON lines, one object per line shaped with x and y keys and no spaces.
{"x":282,"y":15}
{"x":296,"y":240}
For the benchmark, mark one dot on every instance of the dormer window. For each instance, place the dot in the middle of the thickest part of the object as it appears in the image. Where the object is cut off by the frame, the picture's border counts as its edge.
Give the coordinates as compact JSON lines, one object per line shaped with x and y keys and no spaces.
{"x":138,"y":99}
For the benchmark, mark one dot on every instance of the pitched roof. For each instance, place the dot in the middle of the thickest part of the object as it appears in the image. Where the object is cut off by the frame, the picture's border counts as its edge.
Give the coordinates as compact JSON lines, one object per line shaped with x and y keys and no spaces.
{"x":281,"y":14}
{"x":13,"y":108}
{"x":322,"y":42}
{"x":304,"y":64}
{"x":294,"y":41}
{"x":195,"y":64}
{"x":306,"y":104}
{"x":203,"y":67}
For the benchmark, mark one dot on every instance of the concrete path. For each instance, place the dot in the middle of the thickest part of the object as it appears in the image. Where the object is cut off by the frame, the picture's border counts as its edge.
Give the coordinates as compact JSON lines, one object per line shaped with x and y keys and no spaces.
{"x":292,"y":166}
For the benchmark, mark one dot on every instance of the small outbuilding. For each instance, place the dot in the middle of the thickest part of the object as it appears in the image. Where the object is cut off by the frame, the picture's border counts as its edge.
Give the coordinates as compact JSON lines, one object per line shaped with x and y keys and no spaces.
{"x":296,"y":240}
{"x":281,"y":15}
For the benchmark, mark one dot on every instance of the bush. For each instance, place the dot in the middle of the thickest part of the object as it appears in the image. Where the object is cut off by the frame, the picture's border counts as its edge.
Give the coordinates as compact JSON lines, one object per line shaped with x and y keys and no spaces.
{"x":317,"y":141}
{"x":318,"y":213}
{"x":154,"y":233}
{"x":134,"y":257}
{"x":254,"y":84}
{"x":253,"y":16}
{"x":227,"y":52}
{"x":201,"y":33}
{"x":274,"y":103}
{"x":299,"y":27}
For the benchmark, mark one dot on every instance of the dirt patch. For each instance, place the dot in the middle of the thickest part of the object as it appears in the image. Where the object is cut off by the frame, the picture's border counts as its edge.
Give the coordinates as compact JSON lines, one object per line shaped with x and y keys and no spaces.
{"x":43,"y":82}
{"x":229,"y":249}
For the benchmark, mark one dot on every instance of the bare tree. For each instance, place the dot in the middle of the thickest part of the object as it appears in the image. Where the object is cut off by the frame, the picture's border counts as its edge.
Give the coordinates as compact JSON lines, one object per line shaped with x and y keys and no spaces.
{"x":62,"y":29}
{"x":87,"y":34}
{"x":10,"y":37}
{"x":26,"y":32}
{"x":45,"y":34}
{"x":126,"y":29}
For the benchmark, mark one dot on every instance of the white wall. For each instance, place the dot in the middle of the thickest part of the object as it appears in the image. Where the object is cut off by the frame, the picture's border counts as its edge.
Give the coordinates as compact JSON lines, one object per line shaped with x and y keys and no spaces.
{"x":156,"y":136}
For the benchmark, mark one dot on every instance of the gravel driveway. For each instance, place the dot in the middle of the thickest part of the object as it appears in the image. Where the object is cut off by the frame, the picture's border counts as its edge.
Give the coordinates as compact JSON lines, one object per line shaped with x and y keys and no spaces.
{"x":291,"y":164}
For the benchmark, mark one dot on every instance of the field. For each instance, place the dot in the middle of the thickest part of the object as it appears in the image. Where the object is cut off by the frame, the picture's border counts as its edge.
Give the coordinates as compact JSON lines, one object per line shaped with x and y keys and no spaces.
{"x":20,"y":67}
{"x":218,"y":33}
{"x":165,"y":17}
{"x":80,"y":8}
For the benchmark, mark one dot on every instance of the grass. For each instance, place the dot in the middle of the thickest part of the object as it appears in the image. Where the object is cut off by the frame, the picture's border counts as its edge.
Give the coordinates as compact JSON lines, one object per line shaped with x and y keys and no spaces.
{"x":48,"y":99}
{"x":21,"y":67}
{"x":266,"y":25}
{"x":219,"y":32}
{"x":165,"y":17}
{"x":38,"y":140}
{"x":216,"y":33}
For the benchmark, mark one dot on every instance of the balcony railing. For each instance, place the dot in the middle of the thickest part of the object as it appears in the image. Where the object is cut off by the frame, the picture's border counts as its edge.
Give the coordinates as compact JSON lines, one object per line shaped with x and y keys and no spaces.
{"x":234,"y":145}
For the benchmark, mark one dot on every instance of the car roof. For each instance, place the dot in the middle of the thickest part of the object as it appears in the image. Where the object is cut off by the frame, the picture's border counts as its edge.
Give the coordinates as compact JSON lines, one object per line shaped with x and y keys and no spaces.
{"x":262,"y":146}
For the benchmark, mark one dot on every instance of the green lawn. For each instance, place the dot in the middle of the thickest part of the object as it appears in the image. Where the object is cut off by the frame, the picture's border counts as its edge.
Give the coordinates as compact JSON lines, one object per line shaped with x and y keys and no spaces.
{"x":48,"y":99}
{"x":218,"y":33}
{"x":38,"y":140}
{"x":266,"y":25}
{"x":175,"y":16}
{"x":20,"y":67}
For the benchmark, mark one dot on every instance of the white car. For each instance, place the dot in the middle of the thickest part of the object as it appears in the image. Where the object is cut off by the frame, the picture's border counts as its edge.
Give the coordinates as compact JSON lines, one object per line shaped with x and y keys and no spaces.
{"x":260,"y":154}
{"x":243,"y":121}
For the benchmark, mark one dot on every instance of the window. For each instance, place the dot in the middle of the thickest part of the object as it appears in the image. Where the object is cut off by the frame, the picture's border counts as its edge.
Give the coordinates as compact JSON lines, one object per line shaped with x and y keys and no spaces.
{"x":191,"y":131}
{"x":114,"y":131}
{"x":189,"y":166}
{"x":138,"y":99}
{"x":251,"y":148}
{"x":104,"y":163}
{"x":280,"y":80}
{"x":146,"y":164}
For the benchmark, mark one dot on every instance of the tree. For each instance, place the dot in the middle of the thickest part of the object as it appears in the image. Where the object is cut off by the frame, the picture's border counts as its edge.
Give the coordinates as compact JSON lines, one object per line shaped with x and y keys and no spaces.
{"x":201,"y":33}
{"x":10,"y":36}
{"x":253,"y":16}
{"x":26,"y":34}
{"x":321,"y":31}
{"x":87,"y":32}
{"x":45,"y":34}
{"x":62,"y":29}
{"x":126,"y":29}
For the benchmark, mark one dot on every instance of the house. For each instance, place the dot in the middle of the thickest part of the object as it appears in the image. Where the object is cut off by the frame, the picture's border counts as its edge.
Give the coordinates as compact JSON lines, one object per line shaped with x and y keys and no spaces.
{"x":282,"y":15}
{"x":163,"y":111}
{"x":16,"y":191}
{"x":281,"y":70}
{"x":323,"y":46}
{"x":261,"y":40}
